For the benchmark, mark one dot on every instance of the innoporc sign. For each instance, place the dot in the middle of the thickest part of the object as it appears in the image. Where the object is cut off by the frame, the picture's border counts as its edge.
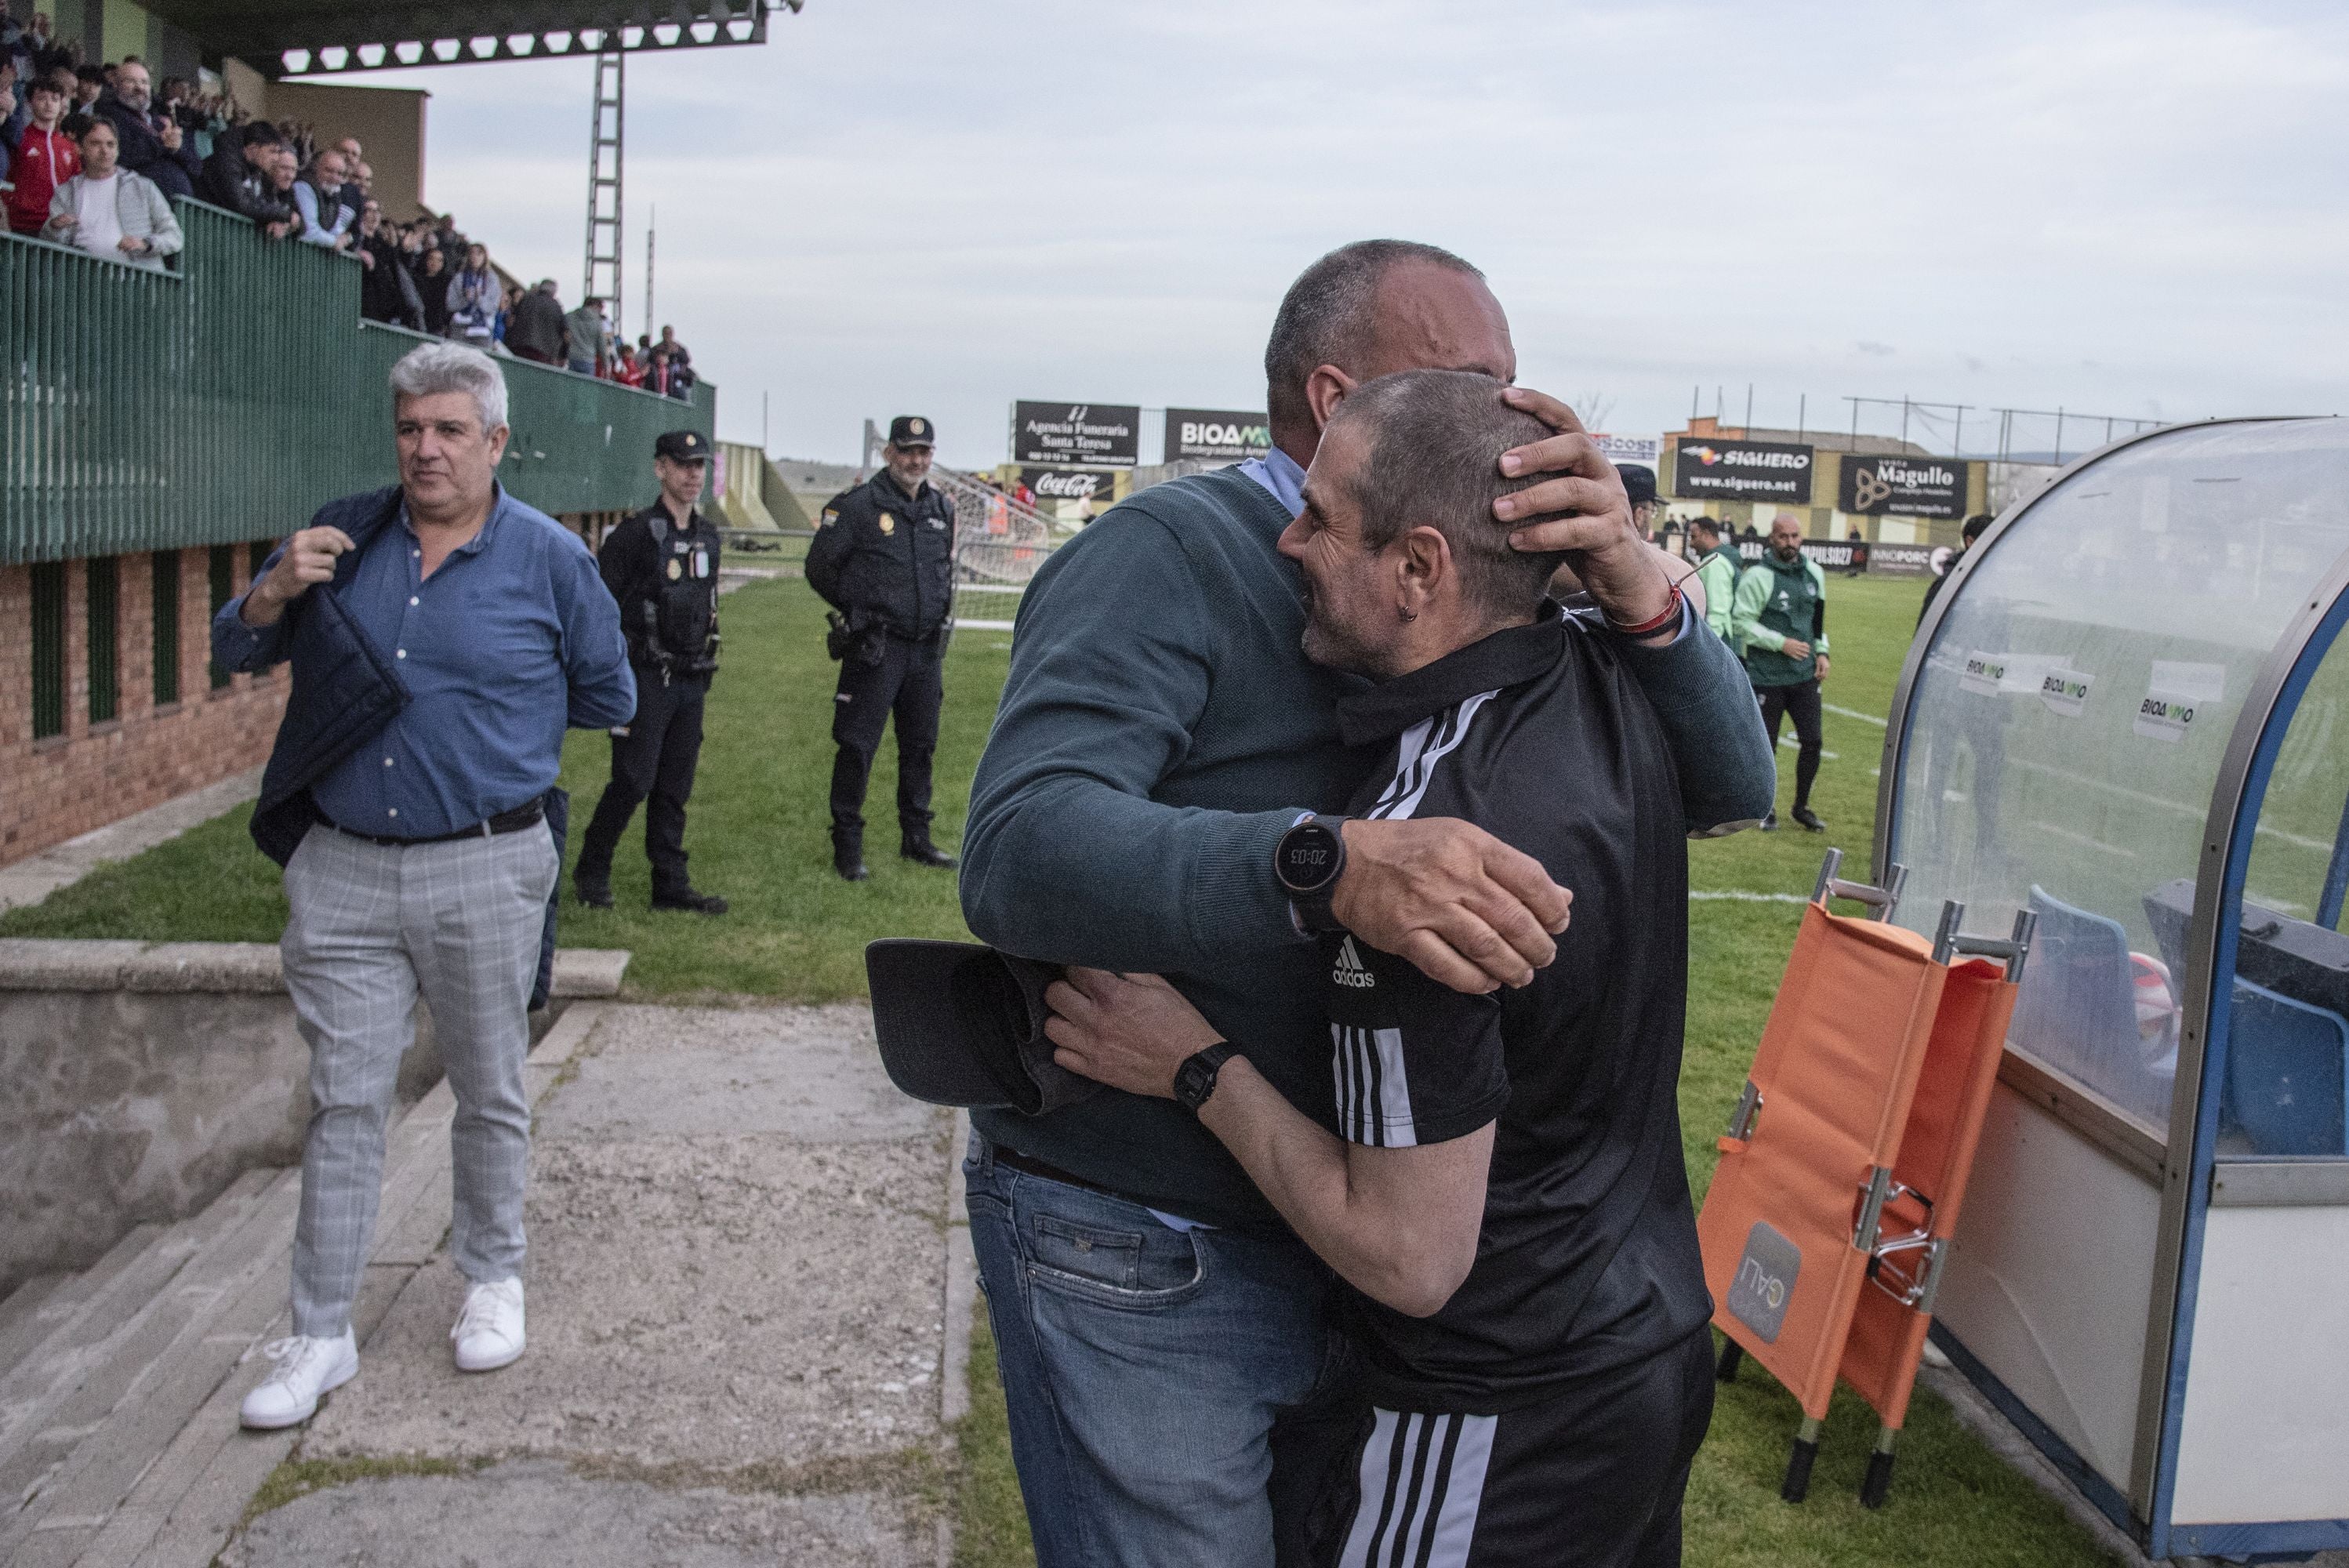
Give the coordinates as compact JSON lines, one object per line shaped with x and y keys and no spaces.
{"x":1074,"y":433}
{"x":1903,"y":487}
{"x":1216,"y":435}
{"x":1710,"y":468}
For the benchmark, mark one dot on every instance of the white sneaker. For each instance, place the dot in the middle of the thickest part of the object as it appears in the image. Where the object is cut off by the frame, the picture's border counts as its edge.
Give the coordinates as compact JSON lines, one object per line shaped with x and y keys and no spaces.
{"x":307,"y":1367}
{"x":489,"y":1331}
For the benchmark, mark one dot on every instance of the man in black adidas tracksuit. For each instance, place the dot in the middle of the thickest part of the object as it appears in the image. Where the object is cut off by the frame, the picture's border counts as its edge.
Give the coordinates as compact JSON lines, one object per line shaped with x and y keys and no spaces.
{"x":1499,"y":1177}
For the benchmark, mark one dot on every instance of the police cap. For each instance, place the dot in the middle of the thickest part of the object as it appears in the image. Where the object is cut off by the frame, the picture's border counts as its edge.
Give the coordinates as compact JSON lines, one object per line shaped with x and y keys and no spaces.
{"x":912,"y":430}
{"x":682,"y":447}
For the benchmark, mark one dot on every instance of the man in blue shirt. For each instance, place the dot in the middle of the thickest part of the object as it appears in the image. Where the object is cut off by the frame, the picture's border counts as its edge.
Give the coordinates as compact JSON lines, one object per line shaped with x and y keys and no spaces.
{"x":430,"y":865}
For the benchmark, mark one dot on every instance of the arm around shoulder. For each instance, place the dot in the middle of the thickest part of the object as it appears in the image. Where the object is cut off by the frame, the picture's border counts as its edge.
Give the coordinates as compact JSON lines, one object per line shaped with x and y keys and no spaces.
{"x":1705,"y":705}
{"x":1066,"y":855}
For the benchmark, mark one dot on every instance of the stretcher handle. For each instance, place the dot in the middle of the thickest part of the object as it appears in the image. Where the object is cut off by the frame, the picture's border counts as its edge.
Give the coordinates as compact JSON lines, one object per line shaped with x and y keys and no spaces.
{"x":1882,"y":900}
{"x":2014,"y":950}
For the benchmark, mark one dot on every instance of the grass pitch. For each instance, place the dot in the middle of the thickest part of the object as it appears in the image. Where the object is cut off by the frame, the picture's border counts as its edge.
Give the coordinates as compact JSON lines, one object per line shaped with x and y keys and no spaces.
{"x":756,"y":835}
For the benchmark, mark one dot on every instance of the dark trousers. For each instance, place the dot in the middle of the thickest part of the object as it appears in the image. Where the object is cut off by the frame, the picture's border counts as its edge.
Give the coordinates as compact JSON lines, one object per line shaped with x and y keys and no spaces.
{"x":907,"y":680}
{"x":655,"y":758}
{"x":1592,"y":1477}
{"x":1799,"y":702}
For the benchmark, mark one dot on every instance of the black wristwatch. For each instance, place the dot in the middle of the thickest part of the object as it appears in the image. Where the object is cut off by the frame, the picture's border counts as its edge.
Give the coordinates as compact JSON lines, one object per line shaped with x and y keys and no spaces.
{"x":1308,"y":860}
{"x":1195,"y":1080}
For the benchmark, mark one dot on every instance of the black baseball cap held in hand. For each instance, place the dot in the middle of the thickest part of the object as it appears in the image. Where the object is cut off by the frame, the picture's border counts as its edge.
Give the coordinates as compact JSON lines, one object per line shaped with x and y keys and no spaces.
{"x":912,"y":430}
{"x":963,"y":1025}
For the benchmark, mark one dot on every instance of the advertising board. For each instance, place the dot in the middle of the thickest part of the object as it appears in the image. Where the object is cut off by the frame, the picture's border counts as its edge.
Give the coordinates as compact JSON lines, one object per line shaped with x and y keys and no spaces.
{"x":1717,"y":470}
{"x":1102,"y":433}
{"x":1216,"y":435}
{"x":1902,"y":486}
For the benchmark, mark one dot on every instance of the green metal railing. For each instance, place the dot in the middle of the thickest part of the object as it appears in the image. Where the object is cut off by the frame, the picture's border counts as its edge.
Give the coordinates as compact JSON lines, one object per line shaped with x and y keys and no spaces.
{"x":228,"y":400}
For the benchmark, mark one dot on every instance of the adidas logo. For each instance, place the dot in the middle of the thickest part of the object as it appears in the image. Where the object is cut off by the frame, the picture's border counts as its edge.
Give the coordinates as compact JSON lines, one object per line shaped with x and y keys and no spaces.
{"x":1351,"y":971}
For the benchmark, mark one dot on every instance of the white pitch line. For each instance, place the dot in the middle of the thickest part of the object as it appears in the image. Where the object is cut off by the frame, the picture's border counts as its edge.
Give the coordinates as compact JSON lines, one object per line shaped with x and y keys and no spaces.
{"x":1697,"y":896}
{"x":1854,"y":713}
{"x":962,"y":624}
{"x":1791,"y":744}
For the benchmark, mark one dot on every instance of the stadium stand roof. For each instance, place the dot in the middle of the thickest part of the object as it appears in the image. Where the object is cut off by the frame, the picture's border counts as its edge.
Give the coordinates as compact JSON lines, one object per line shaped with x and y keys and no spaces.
{"x":287,"y":37}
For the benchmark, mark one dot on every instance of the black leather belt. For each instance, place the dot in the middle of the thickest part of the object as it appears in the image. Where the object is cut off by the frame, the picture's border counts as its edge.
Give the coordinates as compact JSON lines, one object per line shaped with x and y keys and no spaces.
{"x":1032,"y":1166}
{"x":529,"y":814}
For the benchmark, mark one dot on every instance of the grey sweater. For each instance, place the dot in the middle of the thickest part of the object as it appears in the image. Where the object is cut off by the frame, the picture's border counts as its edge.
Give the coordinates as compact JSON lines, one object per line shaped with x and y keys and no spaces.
{"x":1160,"y":730}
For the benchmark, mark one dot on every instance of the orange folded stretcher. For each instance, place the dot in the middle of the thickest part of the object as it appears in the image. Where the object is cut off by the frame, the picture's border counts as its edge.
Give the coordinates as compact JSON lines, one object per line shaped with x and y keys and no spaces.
{"x":1845,"y":1161}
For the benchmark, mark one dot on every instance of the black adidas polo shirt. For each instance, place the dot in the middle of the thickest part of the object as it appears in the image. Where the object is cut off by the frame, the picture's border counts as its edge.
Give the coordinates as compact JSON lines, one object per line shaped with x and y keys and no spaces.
{"x":1587,"y":1257}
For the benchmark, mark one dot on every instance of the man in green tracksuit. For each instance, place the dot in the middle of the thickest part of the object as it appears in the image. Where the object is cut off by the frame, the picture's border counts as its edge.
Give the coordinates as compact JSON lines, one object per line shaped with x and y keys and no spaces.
{"x":1781,"y":621}
{"x":1717,"y":568}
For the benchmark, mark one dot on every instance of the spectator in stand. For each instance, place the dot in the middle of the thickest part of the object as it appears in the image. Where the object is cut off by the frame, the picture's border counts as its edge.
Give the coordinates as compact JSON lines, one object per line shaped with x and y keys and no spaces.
{"x":432,"y":278}
{"x":508,"y":295}
{"x":628,"y":370}
{"x":110,"y":210}
{"x":89,"y":81}
{"x":386,"y":292}
{"x":236,"y":176}
{"x":46,"y":159}
{"x":658,"y":370}
{"x":535,"y":331}
{"x":679,"y":359}
{"x":587,"y":338}
{"x":13,"y":115}
{"x":152,"y":144}
{"x":473,"y":296}
{"x":318,"y":196}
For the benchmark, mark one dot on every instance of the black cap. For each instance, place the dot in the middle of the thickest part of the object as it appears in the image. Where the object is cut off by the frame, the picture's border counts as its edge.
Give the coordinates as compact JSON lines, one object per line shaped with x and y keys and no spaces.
{"x":682,"y":447}
{"x":963,"y":1025}
{"x":912,"y":430}
{"x":1638,"y":481}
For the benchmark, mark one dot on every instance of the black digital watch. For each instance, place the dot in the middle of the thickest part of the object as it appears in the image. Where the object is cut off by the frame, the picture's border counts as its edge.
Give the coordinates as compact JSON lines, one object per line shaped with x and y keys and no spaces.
{"x":1195,"y":1080}
{"x":1307,"y":861}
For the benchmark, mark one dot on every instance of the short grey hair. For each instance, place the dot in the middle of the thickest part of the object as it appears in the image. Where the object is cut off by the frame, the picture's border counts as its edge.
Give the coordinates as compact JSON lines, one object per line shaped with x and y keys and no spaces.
{"x":1435,"y":440}
{"x":437,"y":367}
{"x":1325,"y":317}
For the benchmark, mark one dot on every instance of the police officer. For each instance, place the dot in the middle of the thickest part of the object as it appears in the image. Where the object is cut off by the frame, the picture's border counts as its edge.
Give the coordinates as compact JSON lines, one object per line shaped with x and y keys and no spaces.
{"x":662,"y":566}
{"x":884,"y":560}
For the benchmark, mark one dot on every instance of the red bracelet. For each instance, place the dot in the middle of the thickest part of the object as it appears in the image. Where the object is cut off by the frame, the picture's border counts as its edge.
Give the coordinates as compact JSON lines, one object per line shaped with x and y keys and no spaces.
{"x":1672,"y":612}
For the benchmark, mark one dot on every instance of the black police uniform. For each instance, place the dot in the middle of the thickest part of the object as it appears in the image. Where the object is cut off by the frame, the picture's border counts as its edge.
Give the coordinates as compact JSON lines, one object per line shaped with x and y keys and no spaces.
{"x":666,"y":579}
{"x":885,"y":561}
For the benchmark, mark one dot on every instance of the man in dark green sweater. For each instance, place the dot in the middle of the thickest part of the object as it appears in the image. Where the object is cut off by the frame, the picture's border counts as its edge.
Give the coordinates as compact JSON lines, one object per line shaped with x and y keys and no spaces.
{"x":1160,"y":733}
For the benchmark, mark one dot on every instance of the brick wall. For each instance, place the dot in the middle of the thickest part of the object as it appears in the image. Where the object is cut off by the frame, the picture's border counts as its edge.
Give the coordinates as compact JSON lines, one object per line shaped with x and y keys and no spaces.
{"x":54,"y":788}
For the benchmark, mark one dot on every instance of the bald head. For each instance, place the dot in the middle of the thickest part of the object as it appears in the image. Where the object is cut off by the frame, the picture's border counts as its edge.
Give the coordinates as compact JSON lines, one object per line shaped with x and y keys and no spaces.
{"x":1374,"y":309}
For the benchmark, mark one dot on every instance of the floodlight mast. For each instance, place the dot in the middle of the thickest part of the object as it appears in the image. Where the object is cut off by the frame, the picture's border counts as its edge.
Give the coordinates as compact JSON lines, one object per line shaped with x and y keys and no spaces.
{"x":605,"y":146}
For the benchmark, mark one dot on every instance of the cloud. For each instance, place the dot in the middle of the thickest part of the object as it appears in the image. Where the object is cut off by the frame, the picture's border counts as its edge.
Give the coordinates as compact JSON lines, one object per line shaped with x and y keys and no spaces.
{"x":918,"y":205}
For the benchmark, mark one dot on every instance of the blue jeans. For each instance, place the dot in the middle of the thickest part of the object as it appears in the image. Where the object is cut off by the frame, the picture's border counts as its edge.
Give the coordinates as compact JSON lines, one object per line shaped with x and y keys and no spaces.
{"x":1144,"y":1367}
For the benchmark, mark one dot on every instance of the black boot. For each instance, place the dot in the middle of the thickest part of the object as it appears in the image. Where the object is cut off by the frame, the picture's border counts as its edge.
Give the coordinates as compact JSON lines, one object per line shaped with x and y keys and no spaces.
{"x":848,"y":853}
{"x":695,"y":903}
{"x":915,"y":846}
{"x":1808,"y":819}
{"x":594,"y":891}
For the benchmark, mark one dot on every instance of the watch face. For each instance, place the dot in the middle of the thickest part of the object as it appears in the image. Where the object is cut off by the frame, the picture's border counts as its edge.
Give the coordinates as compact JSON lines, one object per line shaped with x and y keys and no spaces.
{"x":1307,"y":857}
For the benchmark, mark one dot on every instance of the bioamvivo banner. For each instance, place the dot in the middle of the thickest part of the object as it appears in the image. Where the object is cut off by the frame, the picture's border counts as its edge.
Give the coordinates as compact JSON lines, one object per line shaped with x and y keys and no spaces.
{"x":1216,"y":435}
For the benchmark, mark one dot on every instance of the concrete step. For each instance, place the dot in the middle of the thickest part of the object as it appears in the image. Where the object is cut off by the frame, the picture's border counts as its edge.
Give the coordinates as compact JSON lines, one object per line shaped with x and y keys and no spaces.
{"x":66,"y":1296}
{"x":17,"y":1313}
{"x":142,"y":1462}
{"x":95,"y":1443}
{"x":85,"y":1325}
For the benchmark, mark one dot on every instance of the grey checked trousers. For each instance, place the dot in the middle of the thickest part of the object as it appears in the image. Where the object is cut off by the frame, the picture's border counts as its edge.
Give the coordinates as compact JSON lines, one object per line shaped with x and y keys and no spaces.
{"x":374,"y":926}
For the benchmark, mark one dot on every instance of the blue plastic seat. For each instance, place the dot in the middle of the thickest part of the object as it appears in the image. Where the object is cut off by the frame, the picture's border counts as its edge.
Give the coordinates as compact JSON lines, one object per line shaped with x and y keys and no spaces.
{"x":2287,"y":1073}
{"x":2077,"y":1010}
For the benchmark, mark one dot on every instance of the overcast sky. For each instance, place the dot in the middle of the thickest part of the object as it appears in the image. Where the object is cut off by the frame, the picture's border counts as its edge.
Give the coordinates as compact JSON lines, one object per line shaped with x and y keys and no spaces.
{"x":937,"y":206}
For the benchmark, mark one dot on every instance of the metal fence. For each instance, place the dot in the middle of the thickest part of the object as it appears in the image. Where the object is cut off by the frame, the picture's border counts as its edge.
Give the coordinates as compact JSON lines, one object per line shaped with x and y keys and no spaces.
{"x":227,"y":400}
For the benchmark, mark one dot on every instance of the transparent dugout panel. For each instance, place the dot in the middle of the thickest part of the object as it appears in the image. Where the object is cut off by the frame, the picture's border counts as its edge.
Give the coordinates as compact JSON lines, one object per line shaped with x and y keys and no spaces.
{"x":2066,"y":729}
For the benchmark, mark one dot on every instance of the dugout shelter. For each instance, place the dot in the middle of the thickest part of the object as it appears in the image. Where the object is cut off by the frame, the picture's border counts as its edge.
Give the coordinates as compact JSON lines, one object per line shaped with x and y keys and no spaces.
{"x":2128,"y":714}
